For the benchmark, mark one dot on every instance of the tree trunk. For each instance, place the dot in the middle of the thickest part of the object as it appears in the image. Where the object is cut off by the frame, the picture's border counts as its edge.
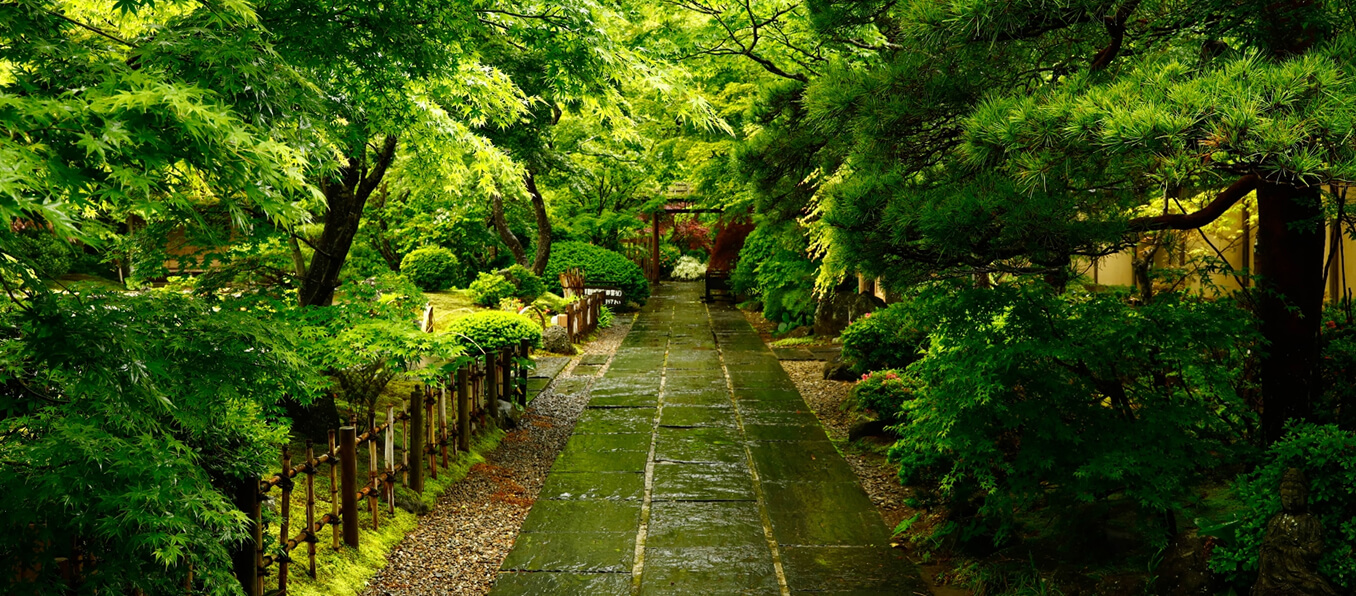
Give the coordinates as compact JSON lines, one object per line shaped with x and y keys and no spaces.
{"x":505,"y":234}
{"x":543,"y":225}
{"x":345,"y":199}
{"x":1290,"y":302}
{"x":381,"y":240}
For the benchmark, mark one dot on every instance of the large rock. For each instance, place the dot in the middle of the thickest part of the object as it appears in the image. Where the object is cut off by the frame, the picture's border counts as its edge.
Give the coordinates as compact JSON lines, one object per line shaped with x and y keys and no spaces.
{"x":841,"y":307}
{"x":555,"y":339}
{"x":839,"y":370}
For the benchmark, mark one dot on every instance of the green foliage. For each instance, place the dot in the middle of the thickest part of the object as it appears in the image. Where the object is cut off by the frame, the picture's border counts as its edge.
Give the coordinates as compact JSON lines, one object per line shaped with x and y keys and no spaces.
{"x":887,"y":338}
{"x":883,"y":392}
{"x":1337,"y":403}
{"x":605,"y":317}
{"x":1026,"y":397}
{"x":774,"y":267}
{"x":492,"y":330}
{"x":1325,"y":454}
{"x":125,"y":418}
{"x":600,"y":266}
{"x":489,"y":289}
{"x":48,"y":256}
{"x":431,"y":268}
{"x":527,"y":285}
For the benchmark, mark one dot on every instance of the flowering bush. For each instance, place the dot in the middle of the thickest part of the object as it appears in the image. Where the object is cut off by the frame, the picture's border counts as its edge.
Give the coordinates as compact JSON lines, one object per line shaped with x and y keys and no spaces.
{"x":883,"y":392}
{"x":689,"y":268}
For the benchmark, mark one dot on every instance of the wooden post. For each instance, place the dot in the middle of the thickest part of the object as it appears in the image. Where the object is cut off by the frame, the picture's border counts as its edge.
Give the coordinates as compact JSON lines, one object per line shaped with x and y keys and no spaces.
{"x":389,"y":441}
{"x":348,"y":483}
{"x":524,"y":352}
{"x":415,"y":455}
{"x":245,"y":559}
{"x":310,"y":505}
{"x":491,"y":384}
{"x":431,"y":441}
{"x":284,"y":524}
{"x":405,"y":447}
{"x":463,"y":411}
{"x":372,"y":476}
{"x":506,"y":369}
{"x":442,"y":421}
{"x":334,"y":490}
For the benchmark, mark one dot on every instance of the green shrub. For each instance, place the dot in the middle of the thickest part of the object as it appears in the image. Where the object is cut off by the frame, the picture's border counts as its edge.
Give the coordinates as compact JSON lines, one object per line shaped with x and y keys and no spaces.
{"x":883,"y":392}
{"x":47,"y":255}
{"x":600,"y":266}
{"x":774,"y":268}
{"x":431,"y":267}
{"x":1327,"y":455}
{"x":527,"y":285}
{"x":1026,"y":398}
{"x":605,"y":317}
{"x":887,"y":338}
{"x":489,"y":289}
{"x":494,"y":329}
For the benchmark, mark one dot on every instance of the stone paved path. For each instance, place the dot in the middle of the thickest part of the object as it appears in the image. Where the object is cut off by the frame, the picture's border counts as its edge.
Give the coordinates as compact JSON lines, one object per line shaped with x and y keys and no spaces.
{"x":698,"y":469}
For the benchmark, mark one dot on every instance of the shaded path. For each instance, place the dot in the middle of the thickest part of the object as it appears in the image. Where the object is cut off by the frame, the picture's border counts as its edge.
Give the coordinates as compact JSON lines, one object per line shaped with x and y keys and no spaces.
{"x":698,"y":468}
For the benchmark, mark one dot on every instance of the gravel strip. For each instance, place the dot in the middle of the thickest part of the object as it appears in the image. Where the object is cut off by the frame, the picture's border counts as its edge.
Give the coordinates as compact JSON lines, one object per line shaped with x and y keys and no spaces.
{"x":458,"y":547}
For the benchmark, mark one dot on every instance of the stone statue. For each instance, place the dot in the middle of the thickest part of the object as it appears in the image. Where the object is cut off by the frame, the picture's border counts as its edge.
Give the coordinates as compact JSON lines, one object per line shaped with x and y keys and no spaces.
{"x":1292,"y":545}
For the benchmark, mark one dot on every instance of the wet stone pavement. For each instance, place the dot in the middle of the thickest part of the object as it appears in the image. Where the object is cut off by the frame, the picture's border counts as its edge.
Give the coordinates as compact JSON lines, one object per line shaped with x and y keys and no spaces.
{"x":698,"y":469}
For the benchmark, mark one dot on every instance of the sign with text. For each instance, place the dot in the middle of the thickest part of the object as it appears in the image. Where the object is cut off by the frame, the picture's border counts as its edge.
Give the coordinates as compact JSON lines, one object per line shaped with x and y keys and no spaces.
{"x":612,"y":296}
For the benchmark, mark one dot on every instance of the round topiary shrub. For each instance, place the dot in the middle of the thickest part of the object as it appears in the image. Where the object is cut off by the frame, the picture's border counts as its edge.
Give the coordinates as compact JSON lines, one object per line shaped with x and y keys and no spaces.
{"x":494,"y":329}
{"x":431,"y":267}
{"x":887,"y":338}
{"x":528,"y":285}
{"x":601,"y":267}
{"x":490,"y":288}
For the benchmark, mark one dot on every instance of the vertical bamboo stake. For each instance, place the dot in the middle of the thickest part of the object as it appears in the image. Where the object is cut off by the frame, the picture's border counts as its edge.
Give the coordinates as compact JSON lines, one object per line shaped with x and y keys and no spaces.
{"x":414,"y":458}
{"x":285,"y":522}
{"x":492,"y":384}
{"x":348,"y":480}
{"x":431,"y":441}
{"x":442,"y":423}
{"x":506,"y":364}
{"x":372,"y":479}
{"x":334,"y":493}
{"x":389,"y":441}
{"x":310,"y":506}
{"x":405,"y":447}
{"x":524,"y":351}
{"x":477,"y":387}
{"x":463,"y":411}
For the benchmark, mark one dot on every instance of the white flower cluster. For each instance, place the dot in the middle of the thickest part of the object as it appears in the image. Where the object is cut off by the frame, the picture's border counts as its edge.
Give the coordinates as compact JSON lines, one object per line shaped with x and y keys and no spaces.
{"x":689,"y":268}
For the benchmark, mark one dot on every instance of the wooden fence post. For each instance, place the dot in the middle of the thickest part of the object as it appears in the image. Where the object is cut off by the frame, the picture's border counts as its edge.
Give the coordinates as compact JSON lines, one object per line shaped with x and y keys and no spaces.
{"x":492,"y":384}
{"x":310,"y":505}
{"x":463,"y":411}
{"x":389,"y":456}
{"x":524,"y":351}
{"x":431,"y":437}
{"x":416,"y":444}
{"x":348,"y":483}
{"x":284,"y":524}
{"x":334,"y":491}
{"x":506,"y":368}
{"x":246,"y":556}
{"x":442,"y":422}
{"x":373,"y":474}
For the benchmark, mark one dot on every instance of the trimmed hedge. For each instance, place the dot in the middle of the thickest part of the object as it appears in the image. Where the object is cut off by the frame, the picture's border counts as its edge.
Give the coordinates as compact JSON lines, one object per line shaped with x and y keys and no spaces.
{"x":494,"y":329}
{"x":490,"y":288}
{"x":431,"y":268}
{"x":601,"y":267}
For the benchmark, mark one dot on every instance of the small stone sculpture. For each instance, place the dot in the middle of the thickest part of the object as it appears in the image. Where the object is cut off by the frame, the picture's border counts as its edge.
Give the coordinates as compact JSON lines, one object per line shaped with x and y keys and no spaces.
{"x":1292,"y":546}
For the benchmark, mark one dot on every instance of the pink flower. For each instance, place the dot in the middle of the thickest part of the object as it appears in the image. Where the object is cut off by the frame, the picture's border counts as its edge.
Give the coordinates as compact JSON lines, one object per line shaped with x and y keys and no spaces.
{"x":866,"y":376}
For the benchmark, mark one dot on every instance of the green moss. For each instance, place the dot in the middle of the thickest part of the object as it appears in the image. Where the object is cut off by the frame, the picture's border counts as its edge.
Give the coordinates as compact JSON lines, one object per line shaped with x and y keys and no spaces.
{"x":345,"y":572}
{"x":449,"y":306}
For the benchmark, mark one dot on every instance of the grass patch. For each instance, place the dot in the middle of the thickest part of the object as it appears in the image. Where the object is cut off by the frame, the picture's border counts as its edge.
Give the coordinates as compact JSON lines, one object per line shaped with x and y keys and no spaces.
{"x":448,"y":306}
{"x":345,"y":571}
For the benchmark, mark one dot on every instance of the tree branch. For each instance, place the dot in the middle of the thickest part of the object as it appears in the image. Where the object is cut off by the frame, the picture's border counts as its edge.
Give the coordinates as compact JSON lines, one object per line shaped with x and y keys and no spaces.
{"x":1190,"y":221}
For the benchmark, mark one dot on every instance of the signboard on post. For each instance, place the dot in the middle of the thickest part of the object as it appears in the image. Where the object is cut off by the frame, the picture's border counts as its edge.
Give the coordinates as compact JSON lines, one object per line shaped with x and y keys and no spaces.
{"x":612,"y":296}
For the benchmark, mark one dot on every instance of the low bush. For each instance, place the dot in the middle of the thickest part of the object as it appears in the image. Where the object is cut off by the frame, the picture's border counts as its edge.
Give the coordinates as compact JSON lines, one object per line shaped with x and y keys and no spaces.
{"x":432,"y":268}
{"x":884,"y":393}
{"x":527,"y":285}
{"x":887,"y":338}
{"x":689,"y":268}
{"x":600,"y":266}
{"x":1327,"y":455}
{"x":774,"y":268}
{"x":605,"y":317}
{"x":494,"y":329}
{"x":47,"y":255}
{"x":489,"y":289}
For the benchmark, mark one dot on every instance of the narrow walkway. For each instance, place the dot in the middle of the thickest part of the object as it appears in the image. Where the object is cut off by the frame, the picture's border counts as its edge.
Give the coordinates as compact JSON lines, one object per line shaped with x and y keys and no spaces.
{"x":698,"y":469}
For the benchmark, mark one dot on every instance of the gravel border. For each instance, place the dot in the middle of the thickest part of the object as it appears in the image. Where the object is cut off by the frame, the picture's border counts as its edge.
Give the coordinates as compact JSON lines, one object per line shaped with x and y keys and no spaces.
{"x":458,"y":547}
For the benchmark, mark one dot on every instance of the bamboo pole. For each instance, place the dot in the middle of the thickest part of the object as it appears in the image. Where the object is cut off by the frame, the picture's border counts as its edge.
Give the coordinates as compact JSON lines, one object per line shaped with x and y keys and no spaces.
{"x":415,"y":457}
{"x":524,"y":351}
{"x":348,"y":480}
{"x":442,"y":421}
{"x":405,"y":447}
{"x":431,"y":441}
{"x":491,"y":382}
{"x":372,"y":474}
{"x":463,"y":411}
{"x":310,"y":505}
{"x":334,"y":491}
{"x":389,"y":442}
{"x":285,"y":523}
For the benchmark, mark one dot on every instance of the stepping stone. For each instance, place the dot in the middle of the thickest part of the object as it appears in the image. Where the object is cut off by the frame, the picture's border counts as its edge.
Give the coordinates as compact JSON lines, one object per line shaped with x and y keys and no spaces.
{"x":793,"y":354}
{"x":586,"y":370}
{"x":550,"y":583}
{"x":800,"y":460}
{"x":696,"y":416}
{"x":573,"y":516}
{"x":710,"y":570}
{"x":548,"y":367}
{"x":702,"y":482}
{"x":615,"y":420}
{"x":598,"y":359}
{"x":553,"y":551}
{"x":851,"y":569}
{"x":623,"y":486}
{"x":824,"y":514}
